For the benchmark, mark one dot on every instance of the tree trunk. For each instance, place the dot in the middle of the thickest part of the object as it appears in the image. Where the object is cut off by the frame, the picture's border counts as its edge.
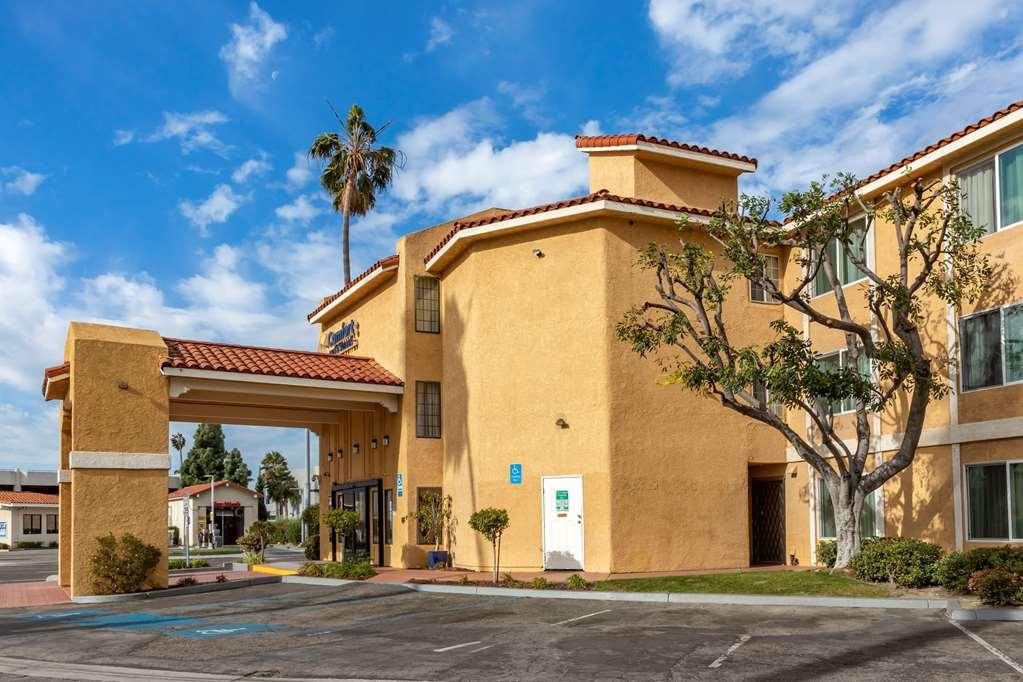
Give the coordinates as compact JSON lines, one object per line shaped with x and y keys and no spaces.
{"x":497,"y":556}
{"x":848,"y":505}
{"x":345,"y":216}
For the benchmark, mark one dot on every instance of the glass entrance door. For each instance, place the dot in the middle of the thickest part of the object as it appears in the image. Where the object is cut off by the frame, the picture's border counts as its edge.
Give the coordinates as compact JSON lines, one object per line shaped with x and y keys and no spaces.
{"x":365,"y":498}
{"x":357,"y":543}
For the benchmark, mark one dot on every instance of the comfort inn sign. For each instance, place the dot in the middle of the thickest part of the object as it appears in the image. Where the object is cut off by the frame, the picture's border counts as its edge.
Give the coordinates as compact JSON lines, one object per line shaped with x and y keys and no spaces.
{"x":345,"y":339}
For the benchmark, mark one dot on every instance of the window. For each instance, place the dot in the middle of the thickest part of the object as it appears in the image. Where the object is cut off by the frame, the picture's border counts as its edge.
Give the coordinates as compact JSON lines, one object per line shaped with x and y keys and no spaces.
{"x":374,"y":515}
{"x":388,"y":516}
{"x":421,"y":494}
{"x":32,"y":524}
{"x":992,"y":347}
{"x":992,"y":191}
{"x":832,"y":362}
{"x":758,"y":293}
{"x":760,"y":393}
{"x":427,"y":304}
{"x":51,"y":524}
{"x":826,"y":514}
{"x":841,"y":257}
{"x":427,"y":409}
{"x":994,"y":501}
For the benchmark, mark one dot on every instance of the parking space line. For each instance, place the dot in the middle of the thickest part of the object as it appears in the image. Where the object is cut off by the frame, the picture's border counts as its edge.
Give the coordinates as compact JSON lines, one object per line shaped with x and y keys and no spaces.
{"x":731,"y":650}
{"x":482,"y":648}
{"x":588,"y":615}
{"x":457,"y":646}
{"x":998,"y":654}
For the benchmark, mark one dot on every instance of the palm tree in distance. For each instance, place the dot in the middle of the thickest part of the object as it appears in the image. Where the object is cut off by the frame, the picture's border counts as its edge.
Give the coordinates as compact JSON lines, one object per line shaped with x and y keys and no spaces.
{"x":355,"y":169}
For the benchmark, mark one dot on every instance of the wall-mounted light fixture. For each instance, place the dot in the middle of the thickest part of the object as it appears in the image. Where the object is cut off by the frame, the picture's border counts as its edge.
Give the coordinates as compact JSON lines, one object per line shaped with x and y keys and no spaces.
{"x":355,"y":448}
{"x":123,"y":385}
{"x":538,"y":253}
{"x":340,"y":453}
{"x":561,"y":423}
{"x":387,"y":441}
{"x":330,"y":456}
{"x":373,"y":444}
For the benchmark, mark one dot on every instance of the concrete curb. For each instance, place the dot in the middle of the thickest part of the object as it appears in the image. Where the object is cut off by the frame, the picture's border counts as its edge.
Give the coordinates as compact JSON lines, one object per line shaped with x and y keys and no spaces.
{"x":176,"y":591}
{"x":986,"y":614}
{"x":650,"y":597}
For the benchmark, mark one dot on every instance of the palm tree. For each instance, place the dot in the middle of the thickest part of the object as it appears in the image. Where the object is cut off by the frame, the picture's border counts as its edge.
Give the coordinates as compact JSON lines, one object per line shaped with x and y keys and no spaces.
{"x":178,"y":443}
{"x":276,"y":479}
{"x":355,"y":169}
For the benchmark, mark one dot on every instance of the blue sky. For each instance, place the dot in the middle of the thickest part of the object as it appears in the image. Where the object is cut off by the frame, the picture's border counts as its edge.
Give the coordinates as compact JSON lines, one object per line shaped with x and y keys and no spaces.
{"x":152,"y":168}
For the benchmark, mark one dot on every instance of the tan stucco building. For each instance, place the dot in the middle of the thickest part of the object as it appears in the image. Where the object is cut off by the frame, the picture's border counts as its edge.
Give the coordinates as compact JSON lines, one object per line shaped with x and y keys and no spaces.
{"x":235,"y":508}
{"x":480,"y":359}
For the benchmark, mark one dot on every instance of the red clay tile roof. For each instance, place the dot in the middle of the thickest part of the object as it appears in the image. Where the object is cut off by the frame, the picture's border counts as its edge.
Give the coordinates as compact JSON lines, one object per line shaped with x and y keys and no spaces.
{"x":586,"y":141}
{"x":55,"y":371}
{"x":278,"y":362}
{"x":200,"y":487}
{"x":600,"y":195}
{"x":327,"y":300}
{"x":21,"y":497}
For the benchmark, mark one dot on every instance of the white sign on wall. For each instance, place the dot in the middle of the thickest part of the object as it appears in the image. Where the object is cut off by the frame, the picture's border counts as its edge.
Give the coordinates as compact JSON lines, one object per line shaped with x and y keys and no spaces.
{"x":3,"y":529}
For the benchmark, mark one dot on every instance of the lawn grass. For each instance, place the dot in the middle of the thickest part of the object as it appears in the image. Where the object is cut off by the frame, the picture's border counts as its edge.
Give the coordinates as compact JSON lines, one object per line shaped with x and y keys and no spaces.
{"x":809,"y":583}
{"x":196,"y":551}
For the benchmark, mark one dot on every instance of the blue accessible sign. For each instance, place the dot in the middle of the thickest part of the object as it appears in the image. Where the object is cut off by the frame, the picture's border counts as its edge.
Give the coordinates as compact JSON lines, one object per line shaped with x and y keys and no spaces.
{"x":400,"y":485}
{"x":515,"y":474}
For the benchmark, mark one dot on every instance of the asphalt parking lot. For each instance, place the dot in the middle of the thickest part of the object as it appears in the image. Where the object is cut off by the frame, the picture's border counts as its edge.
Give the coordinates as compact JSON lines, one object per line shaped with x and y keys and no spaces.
{"x":27,"y":565}
{"x":388,"y":632}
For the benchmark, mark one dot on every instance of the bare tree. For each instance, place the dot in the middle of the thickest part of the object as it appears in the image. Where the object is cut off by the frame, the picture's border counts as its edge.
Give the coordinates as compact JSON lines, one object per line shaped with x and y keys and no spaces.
{"x":936,"y":257}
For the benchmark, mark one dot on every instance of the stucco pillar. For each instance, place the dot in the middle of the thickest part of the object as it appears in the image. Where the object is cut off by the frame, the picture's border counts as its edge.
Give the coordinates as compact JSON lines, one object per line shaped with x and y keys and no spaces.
{"x":64,"y":508}
{"x":119,"y":443}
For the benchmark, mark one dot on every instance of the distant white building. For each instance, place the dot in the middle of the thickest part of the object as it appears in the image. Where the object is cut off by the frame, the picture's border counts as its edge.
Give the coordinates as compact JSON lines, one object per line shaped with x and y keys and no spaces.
{"x":236,"y":508}
{"x":28,"y":517}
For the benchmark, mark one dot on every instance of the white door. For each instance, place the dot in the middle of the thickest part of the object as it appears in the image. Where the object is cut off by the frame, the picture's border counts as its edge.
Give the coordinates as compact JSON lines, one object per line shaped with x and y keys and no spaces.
{"x":563,"y":522}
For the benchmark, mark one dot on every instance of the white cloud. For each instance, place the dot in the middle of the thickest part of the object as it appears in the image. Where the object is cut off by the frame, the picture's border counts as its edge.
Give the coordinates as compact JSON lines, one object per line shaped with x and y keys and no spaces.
{"x":440,"y":34}
{"x":29,"y":437}
{"x":122,"y":137}
{"x":249,"y":48}
{"x":323,"y":37}
{"x":301,"y":210}
{"x":191,"y":130}
{"x":854,"y":107}
{"x":217,"y":207}
{"x":527,"y":99}
{"x":456,"y":165}
{"x":657,"y":115}
{"x":250,"y":168}
{"x":707,"y":41}
{"x":21,"y":181}
{"x":301,"y":172}
{"x":591,"y":127}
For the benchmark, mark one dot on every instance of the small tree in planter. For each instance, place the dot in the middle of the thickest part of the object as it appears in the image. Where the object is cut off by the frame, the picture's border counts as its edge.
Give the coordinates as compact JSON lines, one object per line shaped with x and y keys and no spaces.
{"x":433,"y":516}
{"x":491,"y":524}
{"x":256,"y":540}
{"x":342,"y":522}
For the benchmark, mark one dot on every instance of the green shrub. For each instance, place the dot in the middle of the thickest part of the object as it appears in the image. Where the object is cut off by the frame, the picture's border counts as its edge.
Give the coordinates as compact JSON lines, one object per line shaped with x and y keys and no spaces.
{"x":463,"y":580}
{"x":509,"y":579}
{"x":175,"y":535}
{"x":827,"y":552}
{"x":346,"y":570}
{"x":54,"y":545}
{"x":577,"y":582}
{"x":119,"y":567}
{"x":311,"y":519}
{"x":312,"y":547}
{"x":491,"y":523}
{"x":221,"y":578}
{"x":952,"y":572}
{"x":29,"y":544}
{"x":996,"y":586}
{"x":907,"y":562}
{"x":287,"y":532}
{"x":187,"y":581}
{"x":175,"y":564}
{"x":540,"y":583}
{"x":4,"y":545}
{"x":256,"y":540}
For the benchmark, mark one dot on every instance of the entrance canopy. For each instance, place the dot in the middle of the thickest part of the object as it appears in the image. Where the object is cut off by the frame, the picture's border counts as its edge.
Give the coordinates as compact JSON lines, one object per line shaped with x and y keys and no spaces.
{"x":232,"y":384}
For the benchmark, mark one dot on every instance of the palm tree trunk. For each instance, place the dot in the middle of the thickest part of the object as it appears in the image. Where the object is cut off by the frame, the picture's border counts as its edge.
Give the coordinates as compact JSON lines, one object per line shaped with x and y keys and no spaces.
{"x":345,"y":216}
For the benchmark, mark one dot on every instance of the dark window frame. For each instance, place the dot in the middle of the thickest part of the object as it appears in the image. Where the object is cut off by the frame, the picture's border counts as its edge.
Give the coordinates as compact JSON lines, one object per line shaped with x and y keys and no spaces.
{"x":1004,"y":352}
{"x":426,"y":301}
{"x":389,"y":516}
{"x":757,"y":293}
{"x":28,"y":527}
{"x":428,"y":409}
{"x":55,"y":527}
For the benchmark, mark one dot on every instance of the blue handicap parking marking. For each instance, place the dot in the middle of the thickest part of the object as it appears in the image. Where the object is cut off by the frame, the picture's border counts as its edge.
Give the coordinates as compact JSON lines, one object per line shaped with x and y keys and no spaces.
{"x":139,"y":620}
{"x":226,"y":630}
{"x":61,"y":615}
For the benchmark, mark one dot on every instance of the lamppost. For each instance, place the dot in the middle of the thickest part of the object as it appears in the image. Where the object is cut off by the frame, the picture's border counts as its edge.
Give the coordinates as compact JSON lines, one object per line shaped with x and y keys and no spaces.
{"x":178,"y":442}
{"x":308,"y":488}
{"x":213,"y":513}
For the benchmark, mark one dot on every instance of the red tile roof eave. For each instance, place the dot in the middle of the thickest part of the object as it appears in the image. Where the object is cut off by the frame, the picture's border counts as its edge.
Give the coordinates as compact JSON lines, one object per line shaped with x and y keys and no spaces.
{"x":601,"y":195}
{"x":199,"y":487}
{"x":275,"y":362}
{"x":943,"y":142}
{"x":16,"y":497}
{"x":327,"y":300}
{"x":55,"y":371}
{"x":596,"y":141}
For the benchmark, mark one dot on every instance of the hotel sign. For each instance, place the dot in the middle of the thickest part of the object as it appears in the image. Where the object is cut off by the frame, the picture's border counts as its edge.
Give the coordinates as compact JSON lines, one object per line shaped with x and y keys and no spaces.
{"x":344,"y":340}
